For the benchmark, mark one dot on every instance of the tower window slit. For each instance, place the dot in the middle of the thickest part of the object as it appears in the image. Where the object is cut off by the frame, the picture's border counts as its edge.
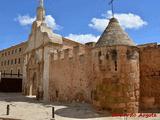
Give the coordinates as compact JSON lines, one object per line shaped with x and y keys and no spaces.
{"x":115,"y":63}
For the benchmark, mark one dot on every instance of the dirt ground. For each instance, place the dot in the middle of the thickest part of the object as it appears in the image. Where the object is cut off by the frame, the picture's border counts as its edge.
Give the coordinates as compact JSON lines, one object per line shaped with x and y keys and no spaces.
{"x":28,"y":108}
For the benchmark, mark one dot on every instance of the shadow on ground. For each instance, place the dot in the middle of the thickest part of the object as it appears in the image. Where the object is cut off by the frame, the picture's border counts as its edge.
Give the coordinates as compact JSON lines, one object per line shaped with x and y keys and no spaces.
{"x":77,"y":110}
{"x":8,"y":119}
{"x":69,"y":110}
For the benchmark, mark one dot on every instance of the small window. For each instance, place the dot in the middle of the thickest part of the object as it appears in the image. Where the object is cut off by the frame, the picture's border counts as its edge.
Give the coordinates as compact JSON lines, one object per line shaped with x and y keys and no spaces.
{"x":12,"y":51}
{"x":15,"y":50}
{"x":99,"y":54}
{"x":57,"y":93}
{"x":15,"y":61}
{"x":20,"y":49}
{"x":8,"y":52}
{"x":19,"y":72}
{"x":5,"y":53}
{"x":115,"y":65}
{"x":8,"y":62}
{"x":11,"y":62}
{"x":19,"y":61}
{"x":114,"y":54}
{"x":107,"y":56}
{"x":5,"y":63}
{"x":2,"y":63}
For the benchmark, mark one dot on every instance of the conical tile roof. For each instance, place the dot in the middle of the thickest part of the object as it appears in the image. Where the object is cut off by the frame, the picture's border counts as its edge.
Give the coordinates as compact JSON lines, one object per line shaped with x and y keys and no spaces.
{"x":114,"y":35}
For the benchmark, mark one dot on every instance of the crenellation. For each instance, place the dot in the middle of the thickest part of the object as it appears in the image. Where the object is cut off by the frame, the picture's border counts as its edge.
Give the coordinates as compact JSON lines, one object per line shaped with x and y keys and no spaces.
{"x":66,"y":53}
{"x":61,"y":55}
{"x":76,"y":50}
{"x":55,"y":56}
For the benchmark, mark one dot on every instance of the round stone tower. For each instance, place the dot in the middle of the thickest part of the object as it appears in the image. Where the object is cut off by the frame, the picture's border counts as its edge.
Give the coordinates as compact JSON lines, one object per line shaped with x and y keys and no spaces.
{"x":117,"y":74}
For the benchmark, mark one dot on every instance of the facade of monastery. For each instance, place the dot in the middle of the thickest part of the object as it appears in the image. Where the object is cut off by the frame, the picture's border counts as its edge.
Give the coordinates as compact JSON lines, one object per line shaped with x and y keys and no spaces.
{"x":113,"y":74}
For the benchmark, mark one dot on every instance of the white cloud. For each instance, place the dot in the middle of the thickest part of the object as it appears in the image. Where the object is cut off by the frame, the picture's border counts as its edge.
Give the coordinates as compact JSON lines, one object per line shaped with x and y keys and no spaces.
{"x":50,"y":21}
{"x":127,"y":21}
{"x":28,"y":20}
{"x":25,"y":20}
{"x":99,"y":24}
{"x":83,"y":38}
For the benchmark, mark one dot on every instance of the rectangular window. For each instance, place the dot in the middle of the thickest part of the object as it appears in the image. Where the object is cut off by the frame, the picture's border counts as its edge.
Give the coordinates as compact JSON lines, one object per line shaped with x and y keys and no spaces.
{"x":19,"y":72}
{"x":8,"y":62}
{"x":20,"y":49}
{"x":115,"y":63}
{"x":15,"y":50}
{"x":8,"y":52}
{"x":19,"y":61}
{"x":11,"y":72}
{"x":11,"y":62}
{"x":15,"y":61}
{"x":12,"y":51}
{"x":5,"y":63}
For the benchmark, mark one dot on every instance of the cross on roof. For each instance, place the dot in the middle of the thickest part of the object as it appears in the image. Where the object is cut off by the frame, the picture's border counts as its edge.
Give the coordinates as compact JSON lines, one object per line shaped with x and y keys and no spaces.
{"x":41,"y":3}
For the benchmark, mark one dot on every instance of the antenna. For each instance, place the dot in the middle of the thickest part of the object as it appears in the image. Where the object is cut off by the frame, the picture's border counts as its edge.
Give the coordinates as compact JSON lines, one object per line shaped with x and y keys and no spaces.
{"x":112,"y":6}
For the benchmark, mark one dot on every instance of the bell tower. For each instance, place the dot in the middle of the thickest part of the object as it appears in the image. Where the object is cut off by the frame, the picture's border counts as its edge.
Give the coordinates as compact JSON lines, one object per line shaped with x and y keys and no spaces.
{"x":41,"y":11}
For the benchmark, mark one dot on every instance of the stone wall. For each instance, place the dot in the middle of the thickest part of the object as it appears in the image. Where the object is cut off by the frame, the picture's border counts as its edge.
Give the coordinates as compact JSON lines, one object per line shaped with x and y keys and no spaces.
{"x":150,"y":76}
{"x":70,"y":75}
{"x":108,"y":77}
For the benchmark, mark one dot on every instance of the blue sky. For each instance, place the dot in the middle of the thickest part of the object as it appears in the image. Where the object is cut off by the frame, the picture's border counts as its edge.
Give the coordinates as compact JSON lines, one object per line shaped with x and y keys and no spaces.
{"x":82,"y":20}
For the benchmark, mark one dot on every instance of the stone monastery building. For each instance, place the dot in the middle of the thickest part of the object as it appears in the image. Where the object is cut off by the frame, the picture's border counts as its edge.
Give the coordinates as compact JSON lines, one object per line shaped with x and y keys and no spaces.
{"x":113,"y":74}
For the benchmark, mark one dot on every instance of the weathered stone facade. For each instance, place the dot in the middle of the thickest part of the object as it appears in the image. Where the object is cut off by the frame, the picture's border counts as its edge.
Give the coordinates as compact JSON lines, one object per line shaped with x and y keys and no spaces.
{"x":11,"y":61}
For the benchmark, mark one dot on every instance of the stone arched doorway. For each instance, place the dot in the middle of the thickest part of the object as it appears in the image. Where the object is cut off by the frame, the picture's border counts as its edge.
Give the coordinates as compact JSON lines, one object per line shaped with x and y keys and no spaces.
{"x":32,"y":70}
{"x":33,"y":83}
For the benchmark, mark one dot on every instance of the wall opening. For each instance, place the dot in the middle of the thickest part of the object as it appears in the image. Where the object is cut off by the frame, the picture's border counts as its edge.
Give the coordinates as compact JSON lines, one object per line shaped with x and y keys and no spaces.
{"x":19,"y":72}
{"x":114,"y":55}
{"x":57,"y":93}
{"x":115,"y":63}
{"x":99,"y":57}
{"x":107,"y":56}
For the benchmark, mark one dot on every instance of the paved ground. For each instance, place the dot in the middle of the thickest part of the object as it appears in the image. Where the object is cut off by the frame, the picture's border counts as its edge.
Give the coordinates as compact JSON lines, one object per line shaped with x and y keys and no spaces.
{"x":27,"y":108}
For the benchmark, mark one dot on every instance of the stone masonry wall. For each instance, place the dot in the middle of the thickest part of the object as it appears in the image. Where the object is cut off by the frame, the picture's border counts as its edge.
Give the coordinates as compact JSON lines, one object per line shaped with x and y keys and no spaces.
{"x":70,"y":75}
{"x":150,"y":77}
{"x":108,"y":77}
{"x":116,"y":76}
